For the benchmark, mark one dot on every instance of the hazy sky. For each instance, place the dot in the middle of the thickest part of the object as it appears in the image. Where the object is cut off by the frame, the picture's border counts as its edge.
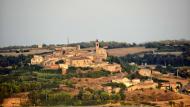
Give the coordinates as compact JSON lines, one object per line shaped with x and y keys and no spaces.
{"x":26,"y":22}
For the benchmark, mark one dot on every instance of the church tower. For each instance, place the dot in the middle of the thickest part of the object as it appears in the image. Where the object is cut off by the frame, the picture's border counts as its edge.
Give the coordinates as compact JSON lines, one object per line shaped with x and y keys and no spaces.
{"x":97,"y":44}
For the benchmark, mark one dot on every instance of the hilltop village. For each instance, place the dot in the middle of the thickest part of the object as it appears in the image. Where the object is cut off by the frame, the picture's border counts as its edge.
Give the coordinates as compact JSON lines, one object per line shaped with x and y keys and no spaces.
{"x":74,"y":75}
{"x":64,"y":57}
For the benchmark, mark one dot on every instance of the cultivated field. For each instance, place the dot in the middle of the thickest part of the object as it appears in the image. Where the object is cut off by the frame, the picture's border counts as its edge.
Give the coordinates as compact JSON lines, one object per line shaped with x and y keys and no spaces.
{"x":16,"y":100}
{"x":126,"y":51}
{"x":185,"y":100}
{"x":171,"y":78}
{"x":158,"y":97}
{"x":148,"y":95}
{"x":31,"y":52}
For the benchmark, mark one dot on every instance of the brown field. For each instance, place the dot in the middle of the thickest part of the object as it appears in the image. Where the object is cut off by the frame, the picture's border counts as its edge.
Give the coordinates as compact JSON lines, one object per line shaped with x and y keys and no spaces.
{"x":97,"y":82}
{"x":126,"y":51}
{"x":148,"y":95}
{"x":172,"y":79}
{"x":158,"y":97}
{"x":31,"y":52}
{"x":15,"y":100}
{"x":185,"y":100}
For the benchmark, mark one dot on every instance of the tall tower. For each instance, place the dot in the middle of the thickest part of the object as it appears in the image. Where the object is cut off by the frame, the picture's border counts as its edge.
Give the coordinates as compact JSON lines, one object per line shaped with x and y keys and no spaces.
{"x":97,"y":44}
{"x":67,"y":41}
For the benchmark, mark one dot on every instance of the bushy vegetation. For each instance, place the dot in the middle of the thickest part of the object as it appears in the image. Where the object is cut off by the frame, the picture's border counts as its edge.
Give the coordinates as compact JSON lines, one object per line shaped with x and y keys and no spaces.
{"x":4,"y":71}
{"x":158,"y":59}
{"x":171,"y":47}
{"x":48,"y":97}
{"x":151,"y":59}
{"x":83,"y":98}
{"x":165,"y":70}
{"x":14,"y":61}
{"x":95,"y":74}
{"x":85,"y":73}
{"x":114,"y":85}
{"x":109,"y":45}
{"x":33,"y":78}
{"x":24,"y":80}
{"x":143,"y":78}
{"x":124,"y":63}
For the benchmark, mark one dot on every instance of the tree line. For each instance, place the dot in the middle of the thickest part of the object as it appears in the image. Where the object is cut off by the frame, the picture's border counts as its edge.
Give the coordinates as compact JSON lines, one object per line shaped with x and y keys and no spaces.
{"x":85,"y":97}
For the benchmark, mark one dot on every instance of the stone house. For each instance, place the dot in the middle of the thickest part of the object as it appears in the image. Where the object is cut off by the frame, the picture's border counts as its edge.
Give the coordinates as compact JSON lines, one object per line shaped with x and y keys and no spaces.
{"x":145,"y":72}
{"x":109,"y":89}
{"x":80,"y":61}
{"x":135,"y":81}
{"x":170,"y":86}
{"x":112,"y":67}
{"x":124,"y":81}
{"x":37,"y":59}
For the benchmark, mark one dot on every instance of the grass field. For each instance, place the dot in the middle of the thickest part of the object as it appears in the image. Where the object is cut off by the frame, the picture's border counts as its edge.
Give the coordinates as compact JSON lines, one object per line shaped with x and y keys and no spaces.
{"x":126,"y":51}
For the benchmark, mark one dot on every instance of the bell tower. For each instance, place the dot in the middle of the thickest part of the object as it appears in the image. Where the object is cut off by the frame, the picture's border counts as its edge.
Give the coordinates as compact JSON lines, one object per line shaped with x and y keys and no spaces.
{"x":97,"y":44}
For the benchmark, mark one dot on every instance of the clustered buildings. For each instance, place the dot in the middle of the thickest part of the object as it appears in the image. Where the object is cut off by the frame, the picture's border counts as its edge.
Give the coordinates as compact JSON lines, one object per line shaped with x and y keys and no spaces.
{"x":64,"y":57}
{"x":74,"y":56}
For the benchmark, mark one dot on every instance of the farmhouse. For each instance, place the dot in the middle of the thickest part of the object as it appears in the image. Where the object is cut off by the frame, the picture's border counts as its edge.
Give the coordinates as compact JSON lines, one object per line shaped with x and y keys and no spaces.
{"x":135,"y":81}
{"x":143,"y":85}
{"x":170,"y":86}
{"x":112,"y":67}
{"x":80,"y":61}
{"x":145,"y":72}
{"x":37,"y":60}
{"x":124,"y":81}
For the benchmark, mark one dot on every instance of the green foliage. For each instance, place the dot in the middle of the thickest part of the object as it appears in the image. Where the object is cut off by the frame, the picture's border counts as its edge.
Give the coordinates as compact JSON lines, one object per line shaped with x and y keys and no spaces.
{"x":84,"y":97}
{"x":113,"y":59}
{"x":60,"y":62}
{"x":124,"y":61}
{"x":131,"y":68}
{"x":6,"y":89}
{"x":170,"y":61}
{"x":114,"y":85}
{"x":95,"y":74}
{"x":72,"y":72}
{"x":72,"y":69}
{"x":153,"y":45}
{"x":4,"y":71}
{"x":23,"y":80}
{"x":34,"y":67}
{"x":161,"y":69}
{"x":19,"y":61}
{"x":150,"y":59}
{"x":116,"y":97}
{"x":122,"y":95}
{"x":50,"y":71}
{"x":143,"y":78}
{"x":92,"y":97}
{"x":68,"y":83}
{"x":110,"y":44}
